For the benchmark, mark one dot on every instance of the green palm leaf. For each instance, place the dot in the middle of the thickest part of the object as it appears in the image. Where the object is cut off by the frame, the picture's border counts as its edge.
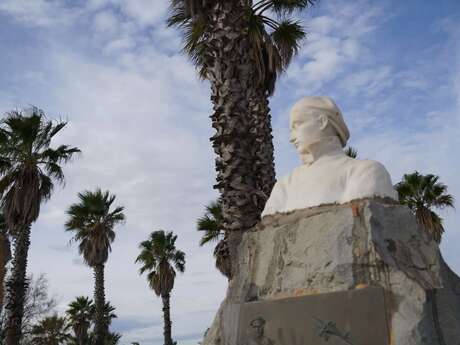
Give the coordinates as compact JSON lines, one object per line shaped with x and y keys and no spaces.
{"x":422,"y":193}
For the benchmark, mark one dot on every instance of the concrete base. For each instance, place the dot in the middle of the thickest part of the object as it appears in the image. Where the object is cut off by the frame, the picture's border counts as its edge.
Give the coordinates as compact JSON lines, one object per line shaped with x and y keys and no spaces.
{"x":341,"y":248}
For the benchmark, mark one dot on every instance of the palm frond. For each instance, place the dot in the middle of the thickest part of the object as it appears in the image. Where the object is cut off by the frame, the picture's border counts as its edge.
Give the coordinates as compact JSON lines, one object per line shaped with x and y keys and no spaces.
{"x":351,"y":152}
{"x":421,"y":193}
{"x":92,"y":222}
{"x":158,"y":258}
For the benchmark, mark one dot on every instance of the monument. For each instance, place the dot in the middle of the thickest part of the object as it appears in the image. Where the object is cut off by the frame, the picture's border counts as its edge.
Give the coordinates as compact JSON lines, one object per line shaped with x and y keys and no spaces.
{"x":335,"y":258}
{"x":327,"y":175}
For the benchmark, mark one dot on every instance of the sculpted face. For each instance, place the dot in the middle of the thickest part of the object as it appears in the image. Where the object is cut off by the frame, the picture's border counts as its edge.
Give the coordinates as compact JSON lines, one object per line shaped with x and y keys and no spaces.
{"x":307,"y":127}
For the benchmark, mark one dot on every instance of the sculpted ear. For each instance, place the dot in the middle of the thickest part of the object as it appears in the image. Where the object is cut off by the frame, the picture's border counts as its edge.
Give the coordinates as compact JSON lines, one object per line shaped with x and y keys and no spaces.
{"x":323,"y":121}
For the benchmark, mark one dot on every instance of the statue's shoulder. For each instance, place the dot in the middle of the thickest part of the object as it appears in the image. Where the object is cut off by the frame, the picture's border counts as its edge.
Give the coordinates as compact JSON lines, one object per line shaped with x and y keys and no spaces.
{"x":366,"y":166}
{"x":369,"y":178}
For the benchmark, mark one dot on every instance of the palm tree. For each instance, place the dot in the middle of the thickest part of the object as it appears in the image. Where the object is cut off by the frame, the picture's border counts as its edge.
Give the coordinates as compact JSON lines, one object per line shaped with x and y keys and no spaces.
{"x":79,"y":314}
{"x":109,"y":314}
{"x":241,"y":49}
{"x":422,"y":193}
{"x":5,"y":255}
{"x":52,"y":330}
{"x":211,"y":225}
{"x":28,"y":166}
{"x":93,"y":222}
{"x":351,"y":152}
{"x":159,"y":257}
{"x":112,"y":338}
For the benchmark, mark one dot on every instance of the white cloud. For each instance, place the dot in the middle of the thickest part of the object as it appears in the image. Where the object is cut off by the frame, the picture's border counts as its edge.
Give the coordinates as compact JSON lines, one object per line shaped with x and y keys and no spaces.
{"x":140,"y":116}
{"x":143,"y":12}
{"x":38,"y":12}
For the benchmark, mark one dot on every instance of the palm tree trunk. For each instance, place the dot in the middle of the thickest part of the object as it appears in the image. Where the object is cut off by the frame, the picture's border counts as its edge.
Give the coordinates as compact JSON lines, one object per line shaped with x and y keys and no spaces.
{"x":264,"y":161}
{"x":16,"y":287}
{"x":5,"y":257}
{"x":167,"y":319}
{"x":230,"y":74}
{"x":100,"y":327}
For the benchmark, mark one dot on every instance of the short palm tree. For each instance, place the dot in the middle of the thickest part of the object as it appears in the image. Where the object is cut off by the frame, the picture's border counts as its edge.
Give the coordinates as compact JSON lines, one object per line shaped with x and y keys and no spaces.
{"x":80,"y":315}
{"x":351,"y":152}
{"x":52,"y":330}
{"x":112,"y":338}
{"x":5,"y":255}
{"x":212,"y":226}
{"x":423,"y":193}
{"x":92,"y":220}
{"x":109,"y":314}
{"x":160,"y":259}
{"x":241,"y":47}
{"x":28,"y":168}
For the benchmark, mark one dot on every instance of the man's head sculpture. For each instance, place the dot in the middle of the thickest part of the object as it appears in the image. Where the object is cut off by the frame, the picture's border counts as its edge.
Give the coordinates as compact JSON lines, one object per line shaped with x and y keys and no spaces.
{"x":314,"y":119}
{"x":328,"y":175}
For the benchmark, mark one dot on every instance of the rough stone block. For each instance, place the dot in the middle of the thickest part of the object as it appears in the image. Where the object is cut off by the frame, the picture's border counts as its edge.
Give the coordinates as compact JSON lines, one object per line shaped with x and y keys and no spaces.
{"x":332,"y":248}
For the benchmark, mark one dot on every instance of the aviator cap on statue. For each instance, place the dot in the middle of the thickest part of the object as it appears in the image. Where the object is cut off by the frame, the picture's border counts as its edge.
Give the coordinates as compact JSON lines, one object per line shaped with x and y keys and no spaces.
{"x":327,"y":107}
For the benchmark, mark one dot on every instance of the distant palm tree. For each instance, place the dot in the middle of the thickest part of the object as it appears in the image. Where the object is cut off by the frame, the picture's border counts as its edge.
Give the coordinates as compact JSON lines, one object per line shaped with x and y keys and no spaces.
{"x":28,"y":166}
{"x":422,"y":193}
{"x":52,"y":330}
{"x":351,"y":152}
{"x":112,"y":338}
{"x":241,"y":47}
{"x":93,"y":222}
{"x":159,"y":257}
{"x":212,"y":226}
{"x":80,"y":315}
{"x":5,"y":255}
{"x":109,"y":314}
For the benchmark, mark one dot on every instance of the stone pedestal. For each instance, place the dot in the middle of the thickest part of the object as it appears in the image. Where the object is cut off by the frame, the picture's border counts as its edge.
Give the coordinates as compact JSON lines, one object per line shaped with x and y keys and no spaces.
{"x":369,"y":245}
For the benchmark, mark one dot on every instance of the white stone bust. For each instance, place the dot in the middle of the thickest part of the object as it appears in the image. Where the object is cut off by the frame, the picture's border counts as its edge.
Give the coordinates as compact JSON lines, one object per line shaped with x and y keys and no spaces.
{"x":327,"y":175}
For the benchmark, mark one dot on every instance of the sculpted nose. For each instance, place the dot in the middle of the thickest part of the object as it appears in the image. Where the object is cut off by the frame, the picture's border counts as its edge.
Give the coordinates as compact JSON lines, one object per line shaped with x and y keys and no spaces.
{"x":292,"y":136}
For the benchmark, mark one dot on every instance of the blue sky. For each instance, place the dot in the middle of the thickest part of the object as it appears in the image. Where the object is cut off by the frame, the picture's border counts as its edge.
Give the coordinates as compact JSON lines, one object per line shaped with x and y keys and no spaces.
{"x":140,"y":116}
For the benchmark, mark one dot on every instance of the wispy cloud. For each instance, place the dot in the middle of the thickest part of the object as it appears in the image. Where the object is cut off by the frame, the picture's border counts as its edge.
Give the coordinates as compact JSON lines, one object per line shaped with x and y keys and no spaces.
{"x":138,"y":112}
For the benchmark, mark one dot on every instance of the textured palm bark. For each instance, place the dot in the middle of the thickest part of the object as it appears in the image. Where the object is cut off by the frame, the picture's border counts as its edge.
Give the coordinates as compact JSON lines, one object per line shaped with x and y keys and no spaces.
{"x":81,"y":332}
{"x":99,"y":302}
{"x":16,"y":288}
{"x":264,"y":159}
{"x":230,"y":73}
{"x":5,"y":257}
{"x":222,"y":255}
{"x":167,"y":319}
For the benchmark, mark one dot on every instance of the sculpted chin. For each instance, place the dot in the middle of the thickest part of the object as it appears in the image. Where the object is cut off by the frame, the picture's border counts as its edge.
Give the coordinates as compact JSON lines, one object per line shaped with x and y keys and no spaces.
{"x":327,"y":175}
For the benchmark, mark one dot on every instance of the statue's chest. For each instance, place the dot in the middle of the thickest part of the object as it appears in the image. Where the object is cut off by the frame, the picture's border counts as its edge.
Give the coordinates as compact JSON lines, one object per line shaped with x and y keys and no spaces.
{"x":316,"y":185}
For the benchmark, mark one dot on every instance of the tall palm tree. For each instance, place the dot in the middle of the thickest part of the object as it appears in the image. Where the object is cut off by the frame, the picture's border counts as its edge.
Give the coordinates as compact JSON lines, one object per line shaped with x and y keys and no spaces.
{"x":79,"y":314}
{"x":423,"y":193}
{"x":5,"y":256}
{"x":160,"y":259}
{"x":241,"y":47}
{"x":92,"y":220}
{"x":211,"y":225}
{"x":52,"y":330}
{"x":28,"y":167}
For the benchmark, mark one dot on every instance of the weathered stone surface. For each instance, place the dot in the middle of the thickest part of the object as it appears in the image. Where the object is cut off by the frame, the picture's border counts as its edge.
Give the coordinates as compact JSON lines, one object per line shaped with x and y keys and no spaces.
{"x":356,"y":317}
{"x":446,"y":310}
{"x":344,"y":247}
